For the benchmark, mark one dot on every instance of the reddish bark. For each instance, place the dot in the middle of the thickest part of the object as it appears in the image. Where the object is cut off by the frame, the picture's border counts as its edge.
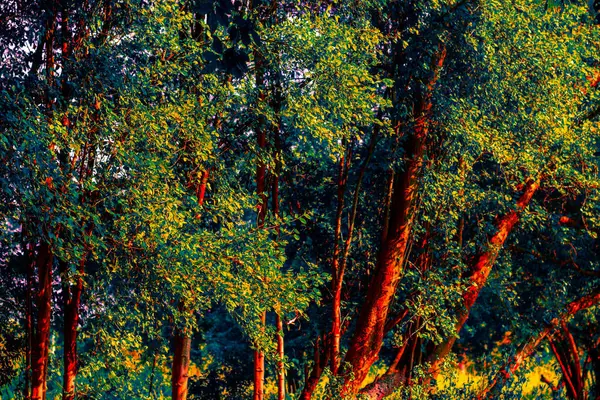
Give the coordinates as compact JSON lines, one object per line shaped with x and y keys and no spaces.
{"x":478,"y":277}
{"x":259,"y":368}
{"x":321,"y":359}
{"x":183,"y":341}
{"x":261,"y":169}
{"x":532,"y":344}
{"x":278,"y":322}
{"x":29,"y":319}
{"x":181,"y":364}
{"x":340,"y":268}
{"x":337,"y":275}
{"x":72,"y":300}
{"x":39,"y":362}
{"x":481,"y":268}
{"x":201,"y":188}
{"x":367,"y":339}
{"x":571,"y":358}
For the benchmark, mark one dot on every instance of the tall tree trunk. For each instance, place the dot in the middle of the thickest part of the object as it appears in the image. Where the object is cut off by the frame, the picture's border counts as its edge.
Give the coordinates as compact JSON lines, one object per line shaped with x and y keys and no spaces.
{"x":340,"y":268}
{"x":44,"y":259}
{"x":29,"y":318}
{"x":275,"y":205}
{"x":261,"y":169}
{"x":337,"y":276}
{"x":44,"y":310}
{"x":368,"y":336}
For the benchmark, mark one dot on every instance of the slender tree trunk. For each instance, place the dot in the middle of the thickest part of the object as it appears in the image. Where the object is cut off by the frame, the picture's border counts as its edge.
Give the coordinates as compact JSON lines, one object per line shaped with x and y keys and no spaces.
{"x":71,"y":295}
{"x":368,"y":337}
{"x":337,"y":277}
{"x":182,"y":340}
{"x":259,"y":368}
{"x":44,"y":309}
{"x":261,"y":169}
{"x":280,"y":362}
{"x":275,"y":205}
{"x":29,"y":319}
{"x":72,"y":301}
{"x":340,"y":268}
{"x":44,"y":258}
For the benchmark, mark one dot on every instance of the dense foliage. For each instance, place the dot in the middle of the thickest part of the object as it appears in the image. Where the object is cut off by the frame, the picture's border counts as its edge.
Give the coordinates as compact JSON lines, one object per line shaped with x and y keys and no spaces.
{"x":295,"y":199}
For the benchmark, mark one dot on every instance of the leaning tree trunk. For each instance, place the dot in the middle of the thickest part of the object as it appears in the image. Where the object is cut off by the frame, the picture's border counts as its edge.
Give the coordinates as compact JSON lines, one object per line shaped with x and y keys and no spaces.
{"x":508,"y":370}
{"x":481,"y":269}
{"x":478,"y":276}
{"x":368,"y":336}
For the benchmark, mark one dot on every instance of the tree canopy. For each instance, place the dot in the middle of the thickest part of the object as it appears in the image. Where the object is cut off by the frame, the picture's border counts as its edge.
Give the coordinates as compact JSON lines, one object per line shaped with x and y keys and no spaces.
{"x":260,"y":199}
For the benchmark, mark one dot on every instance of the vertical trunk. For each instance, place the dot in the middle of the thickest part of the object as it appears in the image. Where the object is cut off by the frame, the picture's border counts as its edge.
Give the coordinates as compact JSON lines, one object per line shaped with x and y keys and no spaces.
{"x":201,"y":188}
{"x":340,"y":268}
{"x":259,"y":368}
{"x":275,"y":202}
{"x":72,"y":300}
{"x":71,"y":295}
{"x":44,"y":258}
{"x":261,"y":168}
{"x":336,"y":275}
{"x":280,"y":364}
{"x":368,"y":337}
{"x":29,"y":320}
{"x":181,"y":363}
{"x":44,"y":309}
{"x":183,"y":341}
